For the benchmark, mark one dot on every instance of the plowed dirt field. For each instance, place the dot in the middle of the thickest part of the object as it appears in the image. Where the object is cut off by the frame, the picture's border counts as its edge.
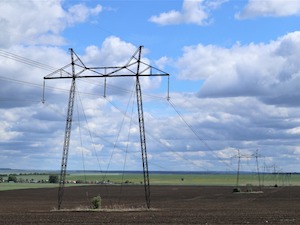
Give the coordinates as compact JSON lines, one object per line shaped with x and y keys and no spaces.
{"x":169,"y":205}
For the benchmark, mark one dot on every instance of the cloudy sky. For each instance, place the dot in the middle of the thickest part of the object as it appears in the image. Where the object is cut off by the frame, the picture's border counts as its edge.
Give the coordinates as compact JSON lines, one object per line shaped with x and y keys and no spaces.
{"x":234,"y":74}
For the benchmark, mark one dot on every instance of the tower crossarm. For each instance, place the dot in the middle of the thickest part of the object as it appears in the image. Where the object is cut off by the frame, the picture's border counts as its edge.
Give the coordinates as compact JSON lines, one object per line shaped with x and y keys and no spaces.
{"x":127,"y":70}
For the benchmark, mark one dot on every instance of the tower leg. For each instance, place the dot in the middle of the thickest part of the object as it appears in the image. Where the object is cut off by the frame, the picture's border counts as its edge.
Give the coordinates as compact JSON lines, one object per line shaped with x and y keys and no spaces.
{"x":62,"y":178}
{"x":142,"y":135}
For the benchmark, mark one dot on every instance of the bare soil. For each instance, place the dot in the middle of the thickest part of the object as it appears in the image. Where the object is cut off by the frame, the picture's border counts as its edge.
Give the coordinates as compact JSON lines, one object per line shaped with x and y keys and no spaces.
{"x":169,"y":205}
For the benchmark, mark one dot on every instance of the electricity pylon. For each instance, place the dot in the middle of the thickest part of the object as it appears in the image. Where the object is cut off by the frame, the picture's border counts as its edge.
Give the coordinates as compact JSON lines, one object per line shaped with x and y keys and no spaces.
{"x":256,"y":155}
{"x":134,"y":68}
{"x":239,"y":156}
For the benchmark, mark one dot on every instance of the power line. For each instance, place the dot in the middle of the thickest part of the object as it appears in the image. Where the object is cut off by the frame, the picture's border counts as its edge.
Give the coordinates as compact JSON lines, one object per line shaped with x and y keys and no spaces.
{"x":196,"y":134}
{"x":120,"y":89}
{"x":12,"y":56}
{"x":21,"y":82}
{"x":43,"y":66}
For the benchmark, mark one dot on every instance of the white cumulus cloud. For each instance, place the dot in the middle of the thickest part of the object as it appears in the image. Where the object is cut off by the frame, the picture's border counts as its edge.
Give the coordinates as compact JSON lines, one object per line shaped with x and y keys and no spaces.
{"x":192,"y":12}
{"x":266,"y":8}
{"x":266,"y":70}
{"x":39,"y":22}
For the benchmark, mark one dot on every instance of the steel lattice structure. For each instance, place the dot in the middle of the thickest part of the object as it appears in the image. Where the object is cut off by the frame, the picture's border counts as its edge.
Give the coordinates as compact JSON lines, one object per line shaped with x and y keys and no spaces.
{"x":134,"y":68}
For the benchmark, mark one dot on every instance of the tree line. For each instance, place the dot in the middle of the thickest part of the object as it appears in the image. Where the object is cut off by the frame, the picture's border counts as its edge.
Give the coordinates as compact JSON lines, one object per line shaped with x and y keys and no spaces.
{"x":53,"y":178}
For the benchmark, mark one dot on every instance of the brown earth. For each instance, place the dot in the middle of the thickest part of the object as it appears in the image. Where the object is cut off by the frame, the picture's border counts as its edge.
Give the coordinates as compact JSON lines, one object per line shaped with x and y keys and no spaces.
{"x":169,"y":205}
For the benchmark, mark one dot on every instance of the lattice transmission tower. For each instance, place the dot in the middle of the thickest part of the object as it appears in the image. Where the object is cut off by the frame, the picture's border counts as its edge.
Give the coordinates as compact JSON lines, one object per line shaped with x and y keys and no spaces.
{"x":134,"y":68}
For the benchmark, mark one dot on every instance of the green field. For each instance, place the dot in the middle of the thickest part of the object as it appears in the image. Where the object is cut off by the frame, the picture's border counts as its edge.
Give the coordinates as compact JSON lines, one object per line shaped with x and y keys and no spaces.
{"x":158,"y":179}
{"x":194,"y":179}
{"x":15,"y":186}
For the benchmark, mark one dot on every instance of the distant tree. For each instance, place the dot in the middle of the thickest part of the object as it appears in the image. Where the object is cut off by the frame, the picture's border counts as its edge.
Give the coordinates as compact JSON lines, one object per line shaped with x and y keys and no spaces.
{"x":12,"y":177}
{"x":53,"y":179}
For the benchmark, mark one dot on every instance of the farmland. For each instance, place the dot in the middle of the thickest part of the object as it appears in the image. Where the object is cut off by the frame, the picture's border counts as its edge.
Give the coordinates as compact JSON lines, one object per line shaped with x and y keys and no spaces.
{"x":176,"y":198}
{"x":170,"y":204}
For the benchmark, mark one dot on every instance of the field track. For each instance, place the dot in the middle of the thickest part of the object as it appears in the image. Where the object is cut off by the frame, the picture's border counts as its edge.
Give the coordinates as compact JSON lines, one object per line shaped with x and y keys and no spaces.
{"x":169,"y":205}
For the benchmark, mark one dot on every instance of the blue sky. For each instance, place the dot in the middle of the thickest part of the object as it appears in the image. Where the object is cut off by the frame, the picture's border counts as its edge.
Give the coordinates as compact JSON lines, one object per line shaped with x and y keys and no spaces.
{"x":234,"y":76}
